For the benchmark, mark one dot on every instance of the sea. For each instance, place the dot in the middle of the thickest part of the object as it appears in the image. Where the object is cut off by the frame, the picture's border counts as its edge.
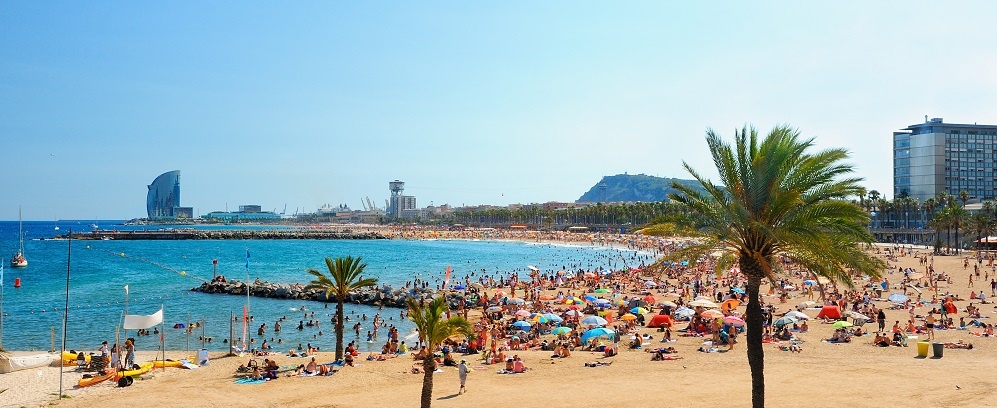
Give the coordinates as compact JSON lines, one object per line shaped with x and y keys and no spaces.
{"x":160,"y":274}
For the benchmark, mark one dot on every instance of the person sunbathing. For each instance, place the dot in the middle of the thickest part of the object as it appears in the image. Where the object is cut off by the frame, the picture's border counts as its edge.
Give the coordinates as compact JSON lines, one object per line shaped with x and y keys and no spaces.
{"x":881,"y":340}
{"x":959,"y":345}
{"x":597,"y":364}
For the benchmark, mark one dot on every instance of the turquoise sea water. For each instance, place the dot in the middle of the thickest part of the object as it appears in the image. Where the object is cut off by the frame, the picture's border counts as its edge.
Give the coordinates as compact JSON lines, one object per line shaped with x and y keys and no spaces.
{"x":151,"y":269}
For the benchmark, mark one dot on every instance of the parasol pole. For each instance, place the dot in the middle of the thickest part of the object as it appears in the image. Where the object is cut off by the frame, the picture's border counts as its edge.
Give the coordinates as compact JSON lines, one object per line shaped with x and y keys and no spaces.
{"x":65,"y":316}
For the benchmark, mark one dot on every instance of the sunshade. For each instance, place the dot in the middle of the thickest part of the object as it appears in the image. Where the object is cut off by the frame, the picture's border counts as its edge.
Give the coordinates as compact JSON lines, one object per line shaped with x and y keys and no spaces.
{"x":798,"y":315}
{"x":522,"y":325}
{"x":841,"y":324}
{"x":785,"y":320}
{"x":598,"y":332}
{"x":523,"y":313}
{"x":730,"y":304}
{"x":602,"y":290}
{"x":737,"y":321}
{"x":594,"y":321}
{"x":898,"y":297}
{"x":639,"y":310}
{"x":553,"y":317}
{"x":628,"y":317}
{"x":703,"y":303}
{"x":561,"y":330}
{"x":494,"y":309}
{"x":712,"y":314}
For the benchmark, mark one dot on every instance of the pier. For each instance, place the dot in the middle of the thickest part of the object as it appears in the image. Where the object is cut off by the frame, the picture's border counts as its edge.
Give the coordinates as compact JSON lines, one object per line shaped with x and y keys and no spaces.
{"x":190,"y":233}
{"x":383,"y":295}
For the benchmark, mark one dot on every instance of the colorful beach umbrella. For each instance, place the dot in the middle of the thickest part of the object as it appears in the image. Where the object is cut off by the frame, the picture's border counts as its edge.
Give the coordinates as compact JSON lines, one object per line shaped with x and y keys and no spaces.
{"x":841,"y":324}
{"x":712,"y":314}
{"x":523,"y":313}
{"x":561,"y":330}
{"x":602,"y":290}
{"x":650,"y":299}
{"x":737,"y":321}
{"x":628,"y":317}
{"x":553,"y":317}
{"x":783,"y":321}
{"x":639,"y":310}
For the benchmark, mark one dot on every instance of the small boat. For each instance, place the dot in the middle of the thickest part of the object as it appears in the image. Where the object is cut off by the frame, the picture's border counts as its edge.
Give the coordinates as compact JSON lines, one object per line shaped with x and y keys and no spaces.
{"x":18,"y":260}
{"x":97,"y":379}
{"x":9,"y":364}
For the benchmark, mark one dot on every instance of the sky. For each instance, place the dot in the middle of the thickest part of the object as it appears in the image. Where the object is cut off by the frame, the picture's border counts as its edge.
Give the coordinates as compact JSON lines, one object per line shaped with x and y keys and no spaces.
{"x":300,"y":104}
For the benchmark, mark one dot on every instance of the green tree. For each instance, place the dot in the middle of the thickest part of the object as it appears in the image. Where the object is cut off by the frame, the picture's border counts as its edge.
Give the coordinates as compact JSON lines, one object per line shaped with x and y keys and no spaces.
{"x":433,"y":329}
{"x":778,"y":199}
{"x":344,"y":277}
{"x":957,"y":215}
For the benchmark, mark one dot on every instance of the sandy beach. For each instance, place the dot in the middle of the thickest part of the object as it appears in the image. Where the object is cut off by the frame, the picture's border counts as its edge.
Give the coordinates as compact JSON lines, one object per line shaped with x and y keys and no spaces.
{"x":823,"y":374}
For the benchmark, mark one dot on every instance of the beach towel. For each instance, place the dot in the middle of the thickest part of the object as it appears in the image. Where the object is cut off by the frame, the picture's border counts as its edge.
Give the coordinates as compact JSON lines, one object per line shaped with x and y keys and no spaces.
{"x":249,"y":381}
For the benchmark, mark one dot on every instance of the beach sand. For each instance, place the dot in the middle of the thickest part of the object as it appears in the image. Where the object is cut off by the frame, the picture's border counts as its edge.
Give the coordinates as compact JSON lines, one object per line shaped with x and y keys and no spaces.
{"x":856,"y":374}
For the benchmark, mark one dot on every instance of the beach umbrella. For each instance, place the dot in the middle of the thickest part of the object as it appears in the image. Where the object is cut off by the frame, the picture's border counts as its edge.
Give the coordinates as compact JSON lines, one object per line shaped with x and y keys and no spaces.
{"x":797,"y":315}
{"x":650,"y":284}
{"x":603,"y":302}
{"x":639,"y":310}
{"x":553,"y":317}
{"x":523,"y":313}
{"x":589,"y":298}
{"x":684,"y":312}
{"x":650,"y":299}
{"x":730,"y":304}
{"x":594,"y":321}
{"x":575,"y":313}
{"x":712,"y":314}
{"x":628,"y":317}
{"x":857,"y":315}
{"x":897,"y":297}
{"x":703,"y":303}
{"x":516,"y":301}
{"x":667,"y":303}
{"x":539,"y":318}
{"x":841,"y":324}
{"x":602,"y":290}
{"x":734,"y":320}
{"x":533,"y":268}
{"x":459,"y":287}
{"x":494,"y":309}
{"x":738,"y":290}
{"x":782,"y":321}
{"x":598,"y":332}
{"x":561,"y":330}
{"x":521,"y":325}
{"x":809,"y":282}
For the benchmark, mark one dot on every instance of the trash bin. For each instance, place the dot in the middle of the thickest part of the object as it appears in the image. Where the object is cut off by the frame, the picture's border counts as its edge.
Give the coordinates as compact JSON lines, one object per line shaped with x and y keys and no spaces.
{"x":922,"y":349}
{"x":938,"y":349}
{"x":879,"y":293}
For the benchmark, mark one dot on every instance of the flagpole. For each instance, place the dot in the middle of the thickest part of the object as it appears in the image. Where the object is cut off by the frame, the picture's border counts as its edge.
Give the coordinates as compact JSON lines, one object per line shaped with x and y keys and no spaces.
{"x":1,"y":302}
{"x":65,"y":316}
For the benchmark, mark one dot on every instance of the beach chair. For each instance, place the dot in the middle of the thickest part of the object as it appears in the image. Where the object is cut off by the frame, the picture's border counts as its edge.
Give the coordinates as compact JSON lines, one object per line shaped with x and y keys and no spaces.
{"x":81,"y":362}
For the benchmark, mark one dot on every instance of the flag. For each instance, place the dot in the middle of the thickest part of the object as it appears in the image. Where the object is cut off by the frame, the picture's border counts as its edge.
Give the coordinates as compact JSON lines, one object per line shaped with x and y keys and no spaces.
{"x":126,"y":290}
{"x":143,"y":321}
{"x":447,"y":279}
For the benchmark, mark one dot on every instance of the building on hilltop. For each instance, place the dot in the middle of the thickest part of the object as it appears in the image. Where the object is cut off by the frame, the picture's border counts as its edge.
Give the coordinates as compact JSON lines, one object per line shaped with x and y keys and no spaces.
{"x":934,"y":157}
{"x":163,"y":199}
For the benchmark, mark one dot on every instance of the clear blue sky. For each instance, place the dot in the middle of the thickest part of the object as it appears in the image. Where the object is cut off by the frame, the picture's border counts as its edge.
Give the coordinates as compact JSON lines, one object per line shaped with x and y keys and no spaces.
{"x":307,"y":103}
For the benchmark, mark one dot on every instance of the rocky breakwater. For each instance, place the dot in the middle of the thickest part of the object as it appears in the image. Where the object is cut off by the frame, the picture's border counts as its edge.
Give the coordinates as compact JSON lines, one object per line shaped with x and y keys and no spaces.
{"x":383,"y":295}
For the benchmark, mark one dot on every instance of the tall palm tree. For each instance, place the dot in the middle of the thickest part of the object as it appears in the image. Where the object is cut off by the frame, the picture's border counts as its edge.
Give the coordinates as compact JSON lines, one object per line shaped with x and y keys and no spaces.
{"x":778,"y":199}
{"x":344,"y":277}
{"x":958,"y":215}
{"x":433,"y":329}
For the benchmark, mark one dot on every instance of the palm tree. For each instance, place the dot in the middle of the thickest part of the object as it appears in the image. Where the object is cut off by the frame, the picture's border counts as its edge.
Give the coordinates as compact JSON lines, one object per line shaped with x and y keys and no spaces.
{"x":777,"y":199}
{"x":344,"y":277}
{"x":957,"y":214}
{"x":433,"y":330}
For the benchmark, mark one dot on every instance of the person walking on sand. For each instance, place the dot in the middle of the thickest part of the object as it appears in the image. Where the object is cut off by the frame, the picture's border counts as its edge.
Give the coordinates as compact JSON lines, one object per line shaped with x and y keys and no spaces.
{"x":462,"y":372}
{"x":929,"y":324}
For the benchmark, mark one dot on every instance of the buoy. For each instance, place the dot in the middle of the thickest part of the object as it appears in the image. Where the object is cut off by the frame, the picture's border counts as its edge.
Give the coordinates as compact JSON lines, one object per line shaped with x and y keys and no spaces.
{"x":17,"y":282}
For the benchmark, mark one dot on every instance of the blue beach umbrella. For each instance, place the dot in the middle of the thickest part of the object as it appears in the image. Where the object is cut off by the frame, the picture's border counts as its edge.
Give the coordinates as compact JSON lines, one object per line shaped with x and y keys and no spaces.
{"x":521,"y":325}
{"x":561,"y":330}
{"x":809,"y":282}
{"x":590,"y":298}
{"x":782,"y":321}
{"x":459,"y":287}
{"x":598,"y":332}
{"x":898,"y":298}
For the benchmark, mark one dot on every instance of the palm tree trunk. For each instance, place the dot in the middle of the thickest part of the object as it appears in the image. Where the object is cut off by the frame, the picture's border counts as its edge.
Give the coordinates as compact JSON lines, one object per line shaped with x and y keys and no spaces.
{"x":339,"y":328}
{"x":753,"y":320}
{"x":427,"y":381}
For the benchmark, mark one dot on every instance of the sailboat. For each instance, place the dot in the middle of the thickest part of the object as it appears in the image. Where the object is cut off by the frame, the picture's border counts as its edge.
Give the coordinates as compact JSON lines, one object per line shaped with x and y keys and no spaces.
{"x":18,"y":260}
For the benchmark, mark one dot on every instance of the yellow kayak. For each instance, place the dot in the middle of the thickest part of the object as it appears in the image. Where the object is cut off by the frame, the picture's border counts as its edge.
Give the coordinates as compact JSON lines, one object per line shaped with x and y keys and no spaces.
{"x":69,"y":359}
{"x":166,"y":363}
{"x":143,"y":368}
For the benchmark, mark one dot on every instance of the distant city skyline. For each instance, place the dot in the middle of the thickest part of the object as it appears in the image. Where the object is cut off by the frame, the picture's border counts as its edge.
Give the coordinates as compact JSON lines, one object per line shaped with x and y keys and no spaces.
{"x":326,"y":102}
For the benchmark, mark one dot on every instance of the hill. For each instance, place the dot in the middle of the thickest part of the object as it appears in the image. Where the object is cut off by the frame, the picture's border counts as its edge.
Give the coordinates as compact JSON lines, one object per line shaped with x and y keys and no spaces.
{"x":633,"y":187}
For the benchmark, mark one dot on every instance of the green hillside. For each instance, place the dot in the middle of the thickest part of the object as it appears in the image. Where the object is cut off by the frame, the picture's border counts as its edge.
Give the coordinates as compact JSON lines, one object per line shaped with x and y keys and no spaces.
{"x":633,"y":187}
